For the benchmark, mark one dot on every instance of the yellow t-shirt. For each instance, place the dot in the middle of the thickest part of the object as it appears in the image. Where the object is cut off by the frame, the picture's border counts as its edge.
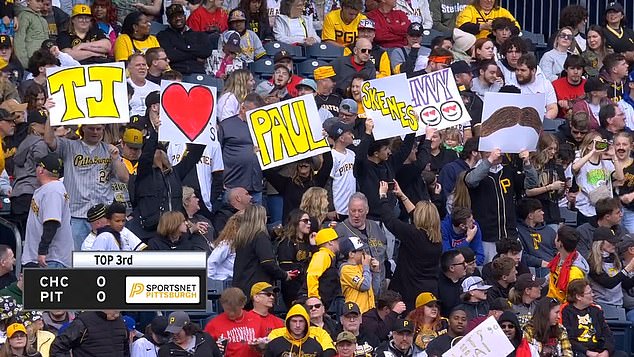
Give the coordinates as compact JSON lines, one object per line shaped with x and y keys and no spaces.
{"x":351,"y":279}
{"x":124,"y":48}
{"x":472,"y":15}
{"x":553,"y":291}
{"x":335,"y":29}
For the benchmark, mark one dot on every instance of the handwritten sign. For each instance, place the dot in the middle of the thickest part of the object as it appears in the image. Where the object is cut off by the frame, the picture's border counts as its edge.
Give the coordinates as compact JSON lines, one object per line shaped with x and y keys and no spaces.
{"x":287,"y":131}
{"x":486,"y":340}
{"x":511,"y":122}
{"x":400,"y":106}
{"x":91,"y":94}
{"x":188,"y":113}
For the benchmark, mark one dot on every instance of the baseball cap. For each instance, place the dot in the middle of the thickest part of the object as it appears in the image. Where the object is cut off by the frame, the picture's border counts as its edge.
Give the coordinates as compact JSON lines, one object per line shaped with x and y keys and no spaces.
{"x":526,"y":281}
{"x":337,"y":129}
{"x":37,"y":116}
{"x":614,"y":6}
{"x":5,"y":41}
{"x":307,"y":82}
{"x":351,"y":244}
{"x":282,"y":54}
{"x":325,"y":235}
{"x":474,"y":283}
{"x":467,"y":253}
{"x":594,"y":84}
{"x":153,"y":98}
{"x":138,"y":122}
{"x":13,"y":106}
{"x":349,"y":105}
{"x":96,"y":212}
{"x":174,"y":9}
{"x":350,"y":307}
{"x":237,"y":15}
{"x":231,"y":40}
{"x":15,"y":327}
{"x":401,"y":325}
{"x":133,"y":138}
{"x":81,"y":9}
{"x":500,"y":304}
{"x":130,"y":324}
{"x":460,"y":67}
{"x":5,"y":115}
{"x":605,"y":234}
{"x":159,"y":324}
{"x":366,"y":24}
{"x":346,"y":336}
{"x":627,"y":241}
{"x":176,"y":321}
{"x":630,"y":77}
{"x":52,"y":163}
{"x":425,"y":298}
{"x":47,"y":44}
{"x":263,"y":287}
{"x":415,"y":29}
{"x":324,"y":72}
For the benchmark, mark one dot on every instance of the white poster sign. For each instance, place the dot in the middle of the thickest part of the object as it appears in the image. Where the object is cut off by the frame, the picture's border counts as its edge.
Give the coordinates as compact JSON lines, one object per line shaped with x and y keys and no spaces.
{"x":486,"y":340}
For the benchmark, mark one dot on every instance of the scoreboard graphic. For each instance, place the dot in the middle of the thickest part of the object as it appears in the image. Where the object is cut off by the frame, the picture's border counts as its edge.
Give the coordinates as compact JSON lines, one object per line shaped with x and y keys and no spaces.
{"x":126,"y":281}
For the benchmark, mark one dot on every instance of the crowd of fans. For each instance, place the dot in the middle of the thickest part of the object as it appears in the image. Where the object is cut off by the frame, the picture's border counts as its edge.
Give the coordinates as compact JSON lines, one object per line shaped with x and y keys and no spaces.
{"x":395,"y":247}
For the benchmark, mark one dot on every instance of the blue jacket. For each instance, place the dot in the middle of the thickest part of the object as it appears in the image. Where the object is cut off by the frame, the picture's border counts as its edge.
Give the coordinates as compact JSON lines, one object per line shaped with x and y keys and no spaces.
{"x":452,"y":240}
{"x":449,"y":174}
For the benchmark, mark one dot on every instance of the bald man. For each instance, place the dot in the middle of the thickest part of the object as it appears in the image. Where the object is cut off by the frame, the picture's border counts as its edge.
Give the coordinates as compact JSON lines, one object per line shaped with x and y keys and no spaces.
{"x":236,"y":199}
{"x":358,"y":62}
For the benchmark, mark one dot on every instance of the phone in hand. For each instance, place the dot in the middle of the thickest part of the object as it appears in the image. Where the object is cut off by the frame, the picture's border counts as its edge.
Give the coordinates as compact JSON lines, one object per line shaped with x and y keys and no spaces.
{"x":602,"y":145}
{"x":390,"y":185}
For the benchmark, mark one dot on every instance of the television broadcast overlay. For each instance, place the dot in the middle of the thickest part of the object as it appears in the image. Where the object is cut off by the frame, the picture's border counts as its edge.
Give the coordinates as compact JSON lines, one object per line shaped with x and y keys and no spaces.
{"x":126,"y":281}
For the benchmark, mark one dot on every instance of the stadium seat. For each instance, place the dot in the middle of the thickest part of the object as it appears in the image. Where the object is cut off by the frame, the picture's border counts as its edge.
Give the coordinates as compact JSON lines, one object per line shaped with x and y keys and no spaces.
{"x":324,"y":51}
{"x":205,"y":79}
{"x":620,"y":327}
{"x":551,"y":125}
{"x":536,"y":38}
{"x":429,"y":35}
{"x":570,"y":217}
{"x":274,"y":47}
{"x":262,"y":68}
{"x":306,"y":68}
{"x":156,"y":27}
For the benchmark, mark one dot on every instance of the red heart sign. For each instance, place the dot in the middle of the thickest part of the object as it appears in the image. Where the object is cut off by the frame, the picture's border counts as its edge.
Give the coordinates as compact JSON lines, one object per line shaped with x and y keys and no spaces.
{"x":449,"y":108}
{"x":431,"y":112}
{"x":190,"y":111}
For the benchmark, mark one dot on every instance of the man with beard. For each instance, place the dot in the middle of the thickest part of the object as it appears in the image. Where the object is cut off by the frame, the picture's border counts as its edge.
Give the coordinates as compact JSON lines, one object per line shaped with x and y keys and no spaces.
{"x":570,"y":87}
{"x":186,"y":49}
{"x":402,"y":342}
{"x":530,"y":83}
{"x":487,"y":79}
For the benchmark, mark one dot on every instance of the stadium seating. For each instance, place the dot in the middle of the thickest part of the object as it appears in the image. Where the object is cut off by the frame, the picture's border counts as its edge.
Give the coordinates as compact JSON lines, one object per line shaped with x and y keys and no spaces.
{"x":324,"y":51}
{"x":621,"y":328}
{"x":262,"y":68}
{"x":429,"y":35}
{"x":156,"y":27}
{"x":306,"y":68}
{"x":206,"y":79}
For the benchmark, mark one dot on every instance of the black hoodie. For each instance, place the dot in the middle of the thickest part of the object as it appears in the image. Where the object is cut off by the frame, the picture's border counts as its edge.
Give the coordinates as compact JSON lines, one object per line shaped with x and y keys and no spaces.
{"x":510,"y":316}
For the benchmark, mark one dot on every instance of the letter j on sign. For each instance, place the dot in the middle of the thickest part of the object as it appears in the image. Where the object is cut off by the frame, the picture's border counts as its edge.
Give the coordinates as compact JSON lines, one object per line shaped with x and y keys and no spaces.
{"x":92,"y":94}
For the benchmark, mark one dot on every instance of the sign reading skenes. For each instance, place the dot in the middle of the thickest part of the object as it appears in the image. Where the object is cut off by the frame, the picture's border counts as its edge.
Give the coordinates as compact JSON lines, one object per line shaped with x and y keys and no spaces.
{"x":162,"y":289}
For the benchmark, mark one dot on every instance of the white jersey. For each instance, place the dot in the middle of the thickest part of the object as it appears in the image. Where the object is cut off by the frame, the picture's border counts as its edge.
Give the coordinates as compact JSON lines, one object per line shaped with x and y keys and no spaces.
{"x":344,"y":184}
{"x":137,"y":103}
{"x":210,"y":162}
{"x":107,"y":242}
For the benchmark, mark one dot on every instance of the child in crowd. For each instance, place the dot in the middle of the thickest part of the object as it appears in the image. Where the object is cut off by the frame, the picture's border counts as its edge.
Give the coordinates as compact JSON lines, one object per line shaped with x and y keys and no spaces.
{"x":356,"y":275}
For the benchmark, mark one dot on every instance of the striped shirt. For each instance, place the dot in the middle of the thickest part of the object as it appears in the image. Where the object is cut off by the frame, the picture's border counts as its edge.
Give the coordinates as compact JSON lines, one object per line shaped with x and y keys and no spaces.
{"x":87,"y":172}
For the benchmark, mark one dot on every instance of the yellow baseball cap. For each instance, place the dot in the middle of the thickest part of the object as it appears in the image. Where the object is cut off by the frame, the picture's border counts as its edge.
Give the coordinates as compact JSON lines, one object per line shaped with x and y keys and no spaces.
{"x":424,"y":299}
{"x":81,"y":9}
{"x":325,"y":235}
{"x":13,"y":328}
{"x":263,"y":286}
{"x":324,"y":72}
{"x":133,"y":138}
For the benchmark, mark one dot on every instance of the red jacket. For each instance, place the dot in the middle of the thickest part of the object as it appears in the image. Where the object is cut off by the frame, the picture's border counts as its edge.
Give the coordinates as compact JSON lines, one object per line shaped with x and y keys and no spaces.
{"x":391,"y":28}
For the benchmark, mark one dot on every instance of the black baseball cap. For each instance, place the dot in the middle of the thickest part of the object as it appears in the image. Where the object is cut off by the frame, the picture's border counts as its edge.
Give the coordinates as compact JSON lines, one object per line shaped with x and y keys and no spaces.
{"x":594,"y":84}
{"x":460,"y":67}
{"x":52,"y":163}
{"x":5,"y":41}
{"x":47,"y":44}
{"x":281,"y":55}
{"x":415,"y":29}
{"x":37,"y":116}
{"x":614,"y":6}
{"x":401,"y":325}
{"x":174,"y":9}
{"x":605,"y":234}
{"x":350,"y":307}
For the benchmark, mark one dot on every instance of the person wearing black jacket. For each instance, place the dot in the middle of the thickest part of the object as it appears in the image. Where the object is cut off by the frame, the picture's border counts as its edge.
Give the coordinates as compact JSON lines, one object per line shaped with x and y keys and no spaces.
{"x":453,"y":266}
{"x":358,"y":62}
{"x":421,"y":245}
{"x":379,"y":321}
{"x":186,"y":49}
{"x":183,"y":332}
{"x":585,"y":323}
{"x":375,"y":163}
{"x":304,"y":177}
{"x":93,"y":333}
{"x":175,"y":233}
{"x":158,"y":186}
{"x":409,"y":175}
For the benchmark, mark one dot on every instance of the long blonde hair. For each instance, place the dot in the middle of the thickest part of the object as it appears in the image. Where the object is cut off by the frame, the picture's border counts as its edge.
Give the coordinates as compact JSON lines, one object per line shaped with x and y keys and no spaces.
{"x":596,"y":258}
{"x":253,"y":223}
{"x":461,"y":197}
{"x":426,"y":218}
{"x":588,"y":142}
{"x":238,"y":84}
{"x":315,"y":203}
{"x":539,"y":158}
{"x":230,"y":230}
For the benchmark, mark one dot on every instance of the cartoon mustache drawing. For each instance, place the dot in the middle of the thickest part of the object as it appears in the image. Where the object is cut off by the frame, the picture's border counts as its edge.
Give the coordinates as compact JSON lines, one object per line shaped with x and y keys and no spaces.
{"x":510,"y":116}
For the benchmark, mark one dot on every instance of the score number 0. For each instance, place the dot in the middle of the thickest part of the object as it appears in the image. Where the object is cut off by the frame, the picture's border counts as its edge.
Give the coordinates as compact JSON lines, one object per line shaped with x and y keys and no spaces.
{"x":101,"y":282}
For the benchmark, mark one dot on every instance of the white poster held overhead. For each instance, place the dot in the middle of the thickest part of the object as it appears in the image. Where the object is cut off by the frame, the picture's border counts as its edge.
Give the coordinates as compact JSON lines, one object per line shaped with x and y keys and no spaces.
{"x":188,"y":113}
{"x":486,"y":340}
{"x":511,"y":122}
{"x":90,"y":94}
{"x":401,"y":106}
{"x":287,"y":131}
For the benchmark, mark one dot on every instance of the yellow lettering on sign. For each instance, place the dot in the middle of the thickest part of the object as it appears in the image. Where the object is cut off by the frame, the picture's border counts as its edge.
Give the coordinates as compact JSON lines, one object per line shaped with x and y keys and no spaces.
{"x":70,"y":79}
{"x":289,"y":131}
{"x":374,"y":99}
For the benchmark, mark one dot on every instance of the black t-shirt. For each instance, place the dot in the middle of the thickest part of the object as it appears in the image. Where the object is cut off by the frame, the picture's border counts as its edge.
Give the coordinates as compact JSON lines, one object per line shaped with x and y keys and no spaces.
{"x":628,"y":185}
{"x":68,"y":40}
{"x":330,"y":102}
{"x":619,"y":42}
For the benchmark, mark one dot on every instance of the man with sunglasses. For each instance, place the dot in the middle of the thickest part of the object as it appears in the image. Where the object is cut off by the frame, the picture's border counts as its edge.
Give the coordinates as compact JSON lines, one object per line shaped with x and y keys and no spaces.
{"x":263,"y":297}
{"x":453,"y":266}
{"x":359,"y":62}
{"x":574,"y":130}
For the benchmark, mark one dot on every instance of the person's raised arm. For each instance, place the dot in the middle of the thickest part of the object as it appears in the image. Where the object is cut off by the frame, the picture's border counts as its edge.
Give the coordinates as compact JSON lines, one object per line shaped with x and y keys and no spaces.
{"x":118,"y":167}
{"x":49,"y":135}
{"x":397,"y":159}
{"x":577,"y":165}
{"x":473,"y":177}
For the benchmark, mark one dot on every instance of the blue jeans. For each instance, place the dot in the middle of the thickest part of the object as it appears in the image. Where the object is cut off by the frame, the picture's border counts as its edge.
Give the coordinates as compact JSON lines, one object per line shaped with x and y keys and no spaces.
{"x":55,"y":265}
{"x":275,"y":206}
{"x":81,"y":229}
{"x":628,"y":220}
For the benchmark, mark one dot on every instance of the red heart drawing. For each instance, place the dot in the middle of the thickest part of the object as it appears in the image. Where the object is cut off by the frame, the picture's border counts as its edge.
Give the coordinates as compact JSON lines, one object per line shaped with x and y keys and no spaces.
{"x":448,"y":108}
{"x":190,"y":111}
{"x":431,"y":112}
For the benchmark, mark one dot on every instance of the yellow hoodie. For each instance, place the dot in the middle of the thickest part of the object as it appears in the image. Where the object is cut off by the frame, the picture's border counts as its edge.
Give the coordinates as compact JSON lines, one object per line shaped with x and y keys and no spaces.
{"x":315,"y":340}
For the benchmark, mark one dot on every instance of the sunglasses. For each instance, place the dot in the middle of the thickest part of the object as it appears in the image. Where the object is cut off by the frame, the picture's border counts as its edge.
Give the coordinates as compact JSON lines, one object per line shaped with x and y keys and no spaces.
{"x":305,"y":220}
{"x":316,"y":306}
{"x":507,"y":326}
{"x":267,"y":294}
{"x":565,"y":36}
{"x":365,"y":50}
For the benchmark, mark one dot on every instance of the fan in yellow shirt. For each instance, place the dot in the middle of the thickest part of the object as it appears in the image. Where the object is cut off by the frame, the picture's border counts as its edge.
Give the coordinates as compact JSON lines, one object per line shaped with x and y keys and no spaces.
{"x":135,"y":37}
{"x":478,"y":17}
{"x":355,"y":274}
{"x":340,"y":26}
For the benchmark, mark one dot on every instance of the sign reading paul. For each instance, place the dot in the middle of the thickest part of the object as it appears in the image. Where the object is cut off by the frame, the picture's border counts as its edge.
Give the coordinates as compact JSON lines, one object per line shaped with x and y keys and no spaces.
{"x":91,"y":94}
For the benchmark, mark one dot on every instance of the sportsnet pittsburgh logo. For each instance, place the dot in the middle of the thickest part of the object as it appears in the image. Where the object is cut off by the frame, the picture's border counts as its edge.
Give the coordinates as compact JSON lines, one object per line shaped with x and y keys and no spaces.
{"x":162,"y":290}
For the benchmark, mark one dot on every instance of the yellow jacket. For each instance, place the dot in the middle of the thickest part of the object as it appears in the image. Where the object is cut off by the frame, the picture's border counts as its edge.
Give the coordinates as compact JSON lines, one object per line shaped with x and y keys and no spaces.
{"x":553,"y":291}
{"x":317,"y":333}
{"x":356,"y":287}
{"x":472,"y":15}
{"x":319,"y":263}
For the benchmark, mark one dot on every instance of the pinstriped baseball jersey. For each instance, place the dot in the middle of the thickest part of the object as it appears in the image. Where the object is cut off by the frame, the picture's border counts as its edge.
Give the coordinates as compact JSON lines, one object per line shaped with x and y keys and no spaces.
{"x":87,"y":172}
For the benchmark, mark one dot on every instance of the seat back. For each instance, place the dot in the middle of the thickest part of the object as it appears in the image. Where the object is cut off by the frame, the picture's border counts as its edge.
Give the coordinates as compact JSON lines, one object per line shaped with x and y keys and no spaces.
{"x":263,"y":68}
{"x":324,"y":51}
{"x":205,"y":79}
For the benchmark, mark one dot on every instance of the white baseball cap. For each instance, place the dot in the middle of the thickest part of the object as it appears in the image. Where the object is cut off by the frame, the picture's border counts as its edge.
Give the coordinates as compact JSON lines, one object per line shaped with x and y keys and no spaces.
{"x":474,"y":283}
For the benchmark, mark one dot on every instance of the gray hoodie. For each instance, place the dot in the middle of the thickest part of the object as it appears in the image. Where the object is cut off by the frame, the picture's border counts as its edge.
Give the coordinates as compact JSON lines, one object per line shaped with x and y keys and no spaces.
{"x":31,"y":149}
